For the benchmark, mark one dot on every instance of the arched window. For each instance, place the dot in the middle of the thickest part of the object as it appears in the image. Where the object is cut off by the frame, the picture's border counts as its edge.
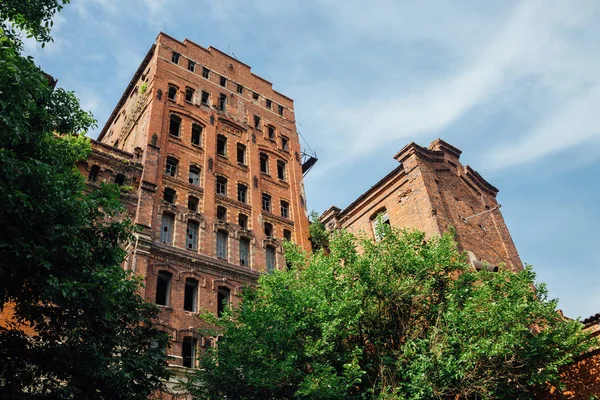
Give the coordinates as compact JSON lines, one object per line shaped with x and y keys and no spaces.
{"x":94,"y":172}
{"x":172,"y":164}
{"x":120,"y":179}
{"x":163,"y":288}
{"x":381,"y":216}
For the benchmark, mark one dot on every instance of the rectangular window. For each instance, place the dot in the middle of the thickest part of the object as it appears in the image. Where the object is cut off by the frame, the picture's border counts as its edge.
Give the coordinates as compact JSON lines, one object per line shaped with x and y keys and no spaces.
{"x":191,"y":242}
{"x":285,"y":144}
{"x":287,"y":235}
{"x":269,"y":104}
{"x":197,"y":134}
{"x":264,"y":163}
{"x":204,"y":97}
{"x":285,"y":209}
{"x":222,"y":214}
{"x":270,"y":258}
{"x":190,"y":297}
{"x":94,"y":171}
{"x":281,"y":170}
{"x":188,"y":352}
{"x":171,"y":169}
{"x":256,"y":122}
{"x":222,"y":102}
{"x":268,"y":230}
{"x":244,"y":252}
{"x":172,"y":94}
{"x":163,"y":288}
{"x":222,"y":145}
{"x":193,"y":203}
{"x":241,"y":154}
{"x":175,"y":57}
{"x":240,"y":89}
{"x":242,"y":192}
{"x":271,"y":130}
{"x":169,"y":195}
{"x":189,"y":94}
{"x":223,"y":299}
{"x":280,"y":110}
{"x":205,"y":72}
{"x":221,"y":186}
{"x":223,"y":81}
{"x":166,"y":228}
{"x":266,"y":202}
{"x":255,"y":95}
{"x":194,"y":175}
{"x":222,"y":237}
{"x":191,"y":65}
{"x":174,"y":125}
{"x":243,"y":221}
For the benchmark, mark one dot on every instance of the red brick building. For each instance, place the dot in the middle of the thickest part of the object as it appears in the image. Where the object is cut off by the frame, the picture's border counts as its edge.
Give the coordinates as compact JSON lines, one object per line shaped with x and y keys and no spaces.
{"x":431,"y":190}
{"x":211,"y":155}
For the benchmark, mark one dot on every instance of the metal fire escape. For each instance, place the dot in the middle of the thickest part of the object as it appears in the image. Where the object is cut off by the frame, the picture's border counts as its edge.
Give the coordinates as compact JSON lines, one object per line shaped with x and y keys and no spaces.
{"x":309,"y":157}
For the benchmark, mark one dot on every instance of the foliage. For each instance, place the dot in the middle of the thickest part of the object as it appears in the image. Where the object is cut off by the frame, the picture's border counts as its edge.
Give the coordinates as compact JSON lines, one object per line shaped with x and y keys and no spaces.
{"x":318,"y":236}
{"x":80,"y":328}
{"x":401,"y":318}
{"x":34,"y":17}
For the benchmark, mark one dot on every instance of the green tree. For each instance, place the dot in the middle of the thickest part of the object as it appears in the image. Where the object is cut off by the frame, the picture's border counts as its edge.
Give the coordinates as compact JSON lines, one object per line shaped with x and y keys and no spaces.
{"x":401,"y":318}
{"x":80,"y":329}
{"x":319,"y":238}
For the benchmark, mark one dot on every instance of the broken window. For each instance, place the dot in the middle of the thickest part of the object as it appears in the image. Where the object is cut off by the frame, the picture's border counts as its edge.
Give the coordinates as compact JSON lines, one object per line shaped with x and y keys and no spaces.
{"x":193,"y":203}
{"x":120,"y":179}
{"x":281,"y":170}
{"x":197,"y":134}
{"x":243,"y":221}
{"x":268,"y":230}
{"x":240,"y":89}
{"x":285,"y":209}
{"x":242,"y":192}
{"x":287,"y":234}
{"x":380,"y":217}
{"x":169,"y":195}
{"x":270,"y":252}
{"x":194,"y":178}
{"x":221,"y":185}
{"x":205,"y":72}
{"x":264,"y":163}
{"x":285,"y":144}
{"x":222,"y":214}
{"x":268,"y":103}
{"x":204,"y":99}
{"x":174,"y":125}
{"x":166,"y":228}
{"x":271,"y":130}
{"x":94,"y":172}
{"x":191,"y":241}
{"x":255,"y":95}
{"x":190,"y":297}
{"x":222,"y":145}
{"x":244,"y":252}
{"x":222,"y":101}
{"x":241,"y":154}
{"x":172,"y":92}
{"x":163,"y":287}
{"x":188,"y":352}
{"x":222,"y":237}
{"x":266,"y":202}
{"x":191,"y":65}
{"x":175,"y":57}
{"x":189,"y":94}
{"x":223,"y":81}
{"x":256,"y":122}
{"x":223,"y":299}
{"x":280,"y":110}
{"x":172,"y":164}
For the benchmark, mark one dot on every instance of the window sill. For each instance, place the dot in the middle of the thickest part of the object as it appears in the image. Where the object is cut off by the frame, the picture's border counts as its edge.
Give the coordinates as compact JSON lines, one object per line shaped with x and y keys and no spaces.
{"x":174,"y":137}
{"x":197,"y":145}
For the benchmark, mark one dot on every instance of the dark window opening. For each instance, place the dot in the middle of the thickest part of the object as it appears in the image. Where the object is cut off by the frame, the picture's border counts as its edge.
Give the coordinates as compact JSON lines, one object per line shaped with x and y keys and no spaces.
{"x":120,"y":179}
{"x":191,"y":239}
{"x":255,"y":95}
{"x":94,"y":172}
{"x":223,"y":81}
{"x":268,"y":230}
{"x":244,"y":252}
{"x":266,"y":202}
{"x":172,"y":92}
{"x":287,"y":234}
{"x":264,"y":163}
{"x":221,"y":186}
{"x":175,"y":57}
{"x":240,"y":89}
{"x":285,"y":144}
{"x":191,"y":65}
{"x":271,"y":130}
{"x":163,"y":288}
{"x":193,"y":203}
{"x":223,"y":299}
{"x":174,"y":125}
{"x":204,"y":98}
{"x":166,"y":228}
{"x":285,"y":209}
{"x":270,"y":250}
{"x":222,"y":102}
{"x":189,"y":94}
{"x":222,"y":145}
{"x":268,"y":104}
{"x":241,"y":154}
{"x":194,"y":178}
{"x":242,"y":192}
{"x":257,"y":122}
{"x":190,"y":297}
{"x":169,"y":195}
{"x":281,"y":170}
{"x":205,"y":72}
{"x":222,"y":214}
{"x":280,"y":110}
{"x":171,"y":169}
{"x":222,"y":237}
{"x":243,"y":221}
{"x":196,"y":134}
{"x":188,"y":352}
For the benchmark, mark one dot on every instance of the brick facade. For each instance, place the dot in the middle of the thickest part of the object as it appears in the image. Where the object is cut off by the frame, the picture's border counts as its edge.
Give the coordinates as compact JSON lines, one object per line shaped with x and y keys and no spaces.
{"x":171,"y":138}
{"x":431,"y":190}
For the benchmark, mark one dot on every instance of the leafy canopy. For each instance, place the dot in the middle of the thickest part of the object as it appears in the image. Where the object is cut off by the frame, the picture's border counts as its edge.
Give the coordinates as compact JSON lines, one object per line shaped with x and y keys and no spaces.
{"x":75,"y":326}
{"x":402,"y":318}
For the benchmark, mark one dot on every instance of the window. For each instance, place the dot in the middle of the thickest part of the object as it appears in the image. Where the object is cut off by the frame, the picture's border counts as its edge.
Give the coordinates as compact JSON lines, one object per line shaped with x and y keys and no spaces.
{"x":280,"y":110}
{"x":174,"y":125}
{"x":223,"y":81}
{"x":243,"y":221}
{"x":204,"y":99}
{"x":222,"y":102}
{"x":171,"y":169}
{"x":380,"y":216}
{"x":222,"y":214}
{"x":287,"y":234}
{"x":221,"y":186}
{"x":285,"y":209}
{"x":241,"y":154}
{"x":240,"y":89}
{"x":266,"y":202}
{"x":166,"y":228}
{"x":271,"y":130}
{"x":281,"y":170}
{"x":94,"y":172}
{"x":270,"y":250}
{"x":222,"y":145}
{"x":193,"y":203}
{"x":188,"y":351}
{"x":264,"y":163}
{"x":242,"y":192}
{"x":194,"y":175}
{"x":205,"y":72}
{"x":255,"y":95}
{"x":223,"y":299}
{"x":268,"y":230}
{"x":169,"y":195}
{"x":175,"y":57}
{"x":244,"y":252}
{"x":257,"y":122}
{"x":191,"y":65}
{"x":163,"y":287}
{"x":197,"y":134}
{"x":189,"y":94}
{"x":120,"y":179}
{"x":190,"y":297}
{"x":222,"y":237}
{"x":285,"y":144}
{"x":269,"y":104}
{"x":172,"y":92}
{"x":191,"y":241}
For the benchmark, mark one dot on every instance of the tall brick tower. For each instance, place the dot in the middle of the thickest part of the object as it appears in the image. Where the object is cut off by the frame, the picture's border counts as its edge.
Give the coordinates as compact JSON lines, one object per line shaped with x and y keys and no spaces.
{"x":213,"y":158}
{"x":431,"y":190}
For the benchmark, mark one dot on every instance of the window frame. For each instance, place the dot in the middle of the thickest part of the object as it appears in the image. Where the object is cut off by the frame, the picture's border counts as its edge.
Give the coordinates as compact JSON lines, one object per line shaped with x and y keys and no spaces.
{"x":175,"y":118}
{"x":195,"y":175}
{"x":163,"y":276}
{"x":221,"y":186}
{"x":267,"y":201}
{"x":191,"y":237}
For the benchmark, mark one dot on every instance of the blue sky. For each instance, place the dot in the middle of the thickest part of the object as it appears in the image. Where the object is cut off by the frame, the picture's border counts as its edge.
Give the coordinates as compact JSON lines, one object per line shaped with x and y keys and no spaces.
{"x":515,"y":85}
